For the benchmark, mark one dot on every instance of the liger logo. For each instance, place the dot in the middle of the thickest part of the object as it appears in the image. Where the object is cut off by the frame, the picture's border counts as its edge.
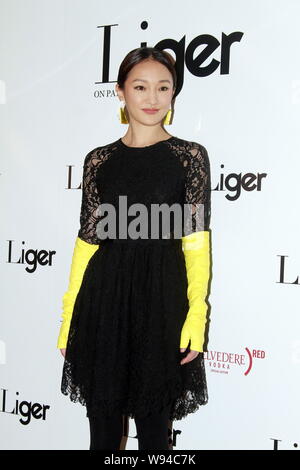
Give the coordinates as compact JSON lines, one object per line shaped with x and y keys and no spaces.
{"x":222,"y":362}
{"x":30,"y":257}
{"x":26,"y":409}
{"x":284,"y":446}
{"x":192,"y":56}
{"x":235,"y":183}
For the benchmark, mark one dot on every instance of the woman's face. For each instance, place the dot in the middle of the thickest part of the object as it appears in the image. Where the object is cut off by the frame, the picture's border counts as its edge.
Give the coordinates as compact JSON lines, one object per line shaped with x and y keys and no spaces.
{"x":149,"y":85}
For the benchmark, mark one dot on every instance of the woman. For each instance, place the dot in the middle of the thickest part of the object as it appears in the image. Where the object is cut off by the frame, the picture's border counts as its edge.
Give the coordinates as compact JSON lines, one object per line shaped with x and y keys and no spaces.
{"x":134,"y":303}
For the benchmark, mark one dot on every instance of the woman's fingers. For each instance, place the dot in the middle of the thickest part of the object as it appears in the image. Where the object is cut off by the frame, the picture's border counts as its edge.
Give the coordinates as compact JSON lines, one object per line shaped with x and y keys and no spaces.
{"x":191,"y":355}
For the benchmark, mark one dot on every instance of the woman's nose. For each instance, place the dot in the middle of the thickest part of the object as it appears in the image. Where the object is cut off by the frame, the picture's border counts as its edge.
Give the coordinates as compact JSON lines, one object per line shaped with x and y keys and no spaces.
{"x":153,"y":98}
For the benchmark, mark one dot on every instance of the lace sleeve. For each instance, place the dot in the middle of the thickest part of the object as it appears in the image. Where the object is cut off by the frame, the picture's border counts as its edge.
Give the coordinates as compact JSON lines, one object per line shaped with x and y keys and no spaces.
{"x":89,"y":213}
{"x":197,"y":189}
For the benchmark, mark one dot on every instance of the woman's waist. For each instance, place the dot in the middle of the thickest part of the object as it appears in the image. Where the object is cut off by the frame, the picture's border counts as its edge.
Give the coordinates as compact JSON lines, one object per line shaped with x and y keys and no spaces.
{"x":142,"y":241}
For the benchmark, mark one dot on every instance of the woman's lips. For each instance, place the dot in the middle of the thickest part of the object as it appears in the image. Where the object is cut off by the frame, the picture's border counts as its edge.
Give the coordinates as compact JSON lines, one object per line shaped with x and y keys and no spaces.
{"x":150,"y":111}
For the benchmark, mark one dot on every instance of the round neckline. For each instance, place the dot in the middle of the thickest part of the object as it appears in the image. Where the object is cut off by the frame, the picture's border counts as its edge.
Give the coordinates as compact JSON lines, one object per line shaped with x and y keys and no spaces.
{"x":146,"y":146}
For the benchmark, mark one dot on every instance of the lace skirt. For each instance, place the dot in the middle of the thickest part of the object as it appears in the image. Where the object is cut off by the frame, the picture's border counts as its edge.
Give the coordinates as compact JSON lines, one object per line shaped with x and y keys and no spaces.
{"x":123,"y":350}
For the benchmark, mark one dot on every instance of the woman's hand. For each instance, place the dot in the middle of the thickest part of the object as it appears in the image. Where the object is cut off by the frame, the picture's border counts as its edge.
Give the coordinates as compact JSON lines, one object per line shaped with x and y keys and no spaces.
{"x":191,"y":355}
{"x":63,"y":351}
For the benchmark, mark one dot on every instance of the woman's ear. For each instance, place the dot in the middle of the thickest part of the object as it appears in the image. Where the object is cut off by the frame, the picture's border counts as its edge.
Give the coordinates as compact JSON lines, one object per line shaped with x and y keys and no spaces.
{"x":119,"y":93}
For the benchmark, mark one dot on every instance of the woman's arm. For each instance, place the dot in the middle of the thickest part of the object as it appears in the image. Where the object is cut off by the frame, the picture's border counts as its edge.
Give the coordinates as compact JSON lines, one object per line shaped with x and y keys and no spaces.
{"x":86,"y":242}
{"x":196,"y":248}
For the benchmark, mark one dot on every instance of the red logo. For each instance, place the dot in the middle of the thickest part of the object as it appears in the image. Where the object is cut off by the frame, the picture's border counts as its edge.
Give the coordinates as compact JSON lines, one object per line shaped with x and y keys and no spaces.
{"x":222,"y":362}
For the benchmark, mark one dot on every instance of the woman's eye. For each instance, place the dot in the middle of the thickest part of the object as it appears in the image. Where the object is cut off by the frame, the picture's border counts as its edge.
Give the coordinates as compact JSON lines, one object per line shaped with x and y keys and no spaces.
{"x":141,"y":86}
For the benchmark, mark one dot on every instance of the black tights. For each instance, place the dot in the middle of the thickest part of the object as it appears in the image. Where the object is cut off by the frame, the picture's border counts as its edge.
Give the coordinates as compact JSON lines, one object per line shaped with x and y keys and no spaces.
{"x":152,"y":431}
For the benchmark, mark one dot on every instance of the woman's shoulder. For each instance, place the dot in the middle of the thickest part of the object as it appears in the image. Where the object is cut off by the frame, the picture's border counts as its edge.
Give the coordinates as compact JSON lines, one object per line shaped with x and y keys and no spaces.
{"x":192,"y":147}
{"x":100,"y":153}
{"x":104,"y":147}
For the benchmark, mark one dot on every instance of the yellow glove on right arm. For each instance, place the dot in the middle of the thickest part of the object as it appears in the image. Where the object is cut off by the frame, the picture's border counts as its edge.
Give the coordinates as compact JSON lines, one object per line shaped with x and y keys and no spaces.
{"x":87,"y":241}
{"x":82,"y":254}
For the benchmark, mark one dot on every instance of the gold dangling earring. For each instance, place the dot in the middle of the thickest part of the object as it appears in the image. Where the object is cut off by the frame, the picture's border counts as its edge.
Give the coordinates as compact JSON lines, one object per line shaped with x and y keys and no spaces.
{"x":167,"y":119}
{"x":122,"y":115}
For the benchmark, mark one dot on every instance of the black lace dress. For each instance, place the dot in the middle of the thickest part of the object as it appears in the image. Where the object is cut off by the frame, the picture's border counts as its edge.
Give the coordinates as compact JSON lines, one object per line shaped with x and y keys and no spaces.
{"x":123,"y":350}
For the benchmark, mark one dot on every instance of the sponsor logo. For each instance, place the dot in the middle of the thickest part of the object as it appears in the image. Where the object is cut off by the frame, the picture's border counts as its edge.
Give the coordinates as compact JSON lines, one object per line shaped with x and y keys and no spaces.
{"x":235,"y":183}
{"x":276,"y":445}
{"x":26,"y":409}
{"x":190,"y":56}
{"x":30,"y":257}
{"x":282,"y":272}
{"x":223,"y":362}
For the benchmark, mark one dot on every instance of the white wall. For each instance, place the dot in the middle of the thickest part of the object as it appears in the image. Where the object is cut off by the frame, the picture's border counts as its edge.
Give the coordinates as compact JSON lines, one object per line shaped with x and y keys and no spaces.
{"x":248,"y":119}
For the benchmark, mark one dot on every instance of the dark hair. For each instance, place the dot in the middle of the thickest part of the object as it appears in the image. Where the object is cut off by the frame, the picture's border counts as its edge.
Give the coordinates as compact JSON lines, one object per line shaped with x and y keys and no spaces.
{"x":138,"y":55}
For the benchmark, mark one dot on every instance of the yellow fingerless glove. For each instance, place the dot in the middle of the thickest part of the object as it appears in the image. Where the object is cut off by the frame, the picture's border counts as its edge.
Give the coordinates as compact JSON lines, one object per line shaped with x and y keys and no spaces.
{"x":196,"y":248}
{"x":82,"y":253}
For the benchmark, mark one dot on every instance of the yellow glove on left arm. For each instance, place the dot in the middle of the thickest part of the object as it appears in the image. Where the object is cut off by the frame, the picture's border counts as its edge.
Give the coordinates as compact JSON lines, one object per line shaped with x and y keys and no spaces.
{"x":196,"y":244}
{"x":196,"y":248}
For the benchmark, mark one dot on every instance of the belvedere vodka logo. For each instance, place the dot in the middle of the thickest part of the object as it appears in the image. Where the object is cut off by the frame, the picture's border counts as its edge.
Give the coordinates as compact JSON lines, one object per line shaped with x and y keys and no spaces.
{"x":223,"y":361}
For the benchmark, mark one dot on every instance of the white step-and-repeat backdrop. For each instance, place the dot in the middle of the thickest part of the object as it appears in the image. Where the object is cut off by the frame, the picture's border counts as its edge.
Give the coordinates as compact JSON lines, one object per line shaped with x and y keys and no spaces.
{"x":240,"y":98}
